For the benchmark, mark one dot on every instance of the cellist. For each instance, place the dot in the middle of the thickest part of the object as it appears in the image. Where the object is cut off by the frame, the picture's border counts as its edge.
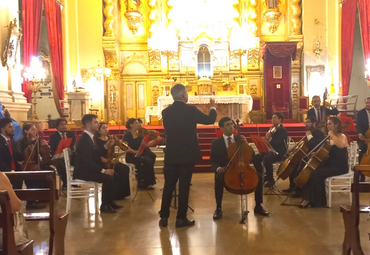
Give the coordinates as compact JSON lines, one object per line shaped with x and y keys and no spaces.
{"x":314,"y":137}
{"x":219,"y":159}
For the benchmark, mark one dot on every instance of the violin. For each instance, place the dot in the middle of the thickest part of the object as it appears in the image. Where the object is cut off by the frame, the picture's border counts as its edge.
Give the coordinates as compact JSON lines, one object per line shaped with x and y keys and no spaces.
{"x":271,"y":131}
{"x":121,"y":144}
{"x":240,"y":177}
{"x":44,"y":150}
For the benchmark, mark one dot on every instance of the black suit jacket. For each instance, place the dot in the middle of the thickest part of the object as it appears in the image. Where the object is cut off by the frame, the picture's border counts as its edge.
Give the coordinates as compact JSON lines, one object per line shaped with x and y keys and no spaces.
{"x":279,"y":141}
{"x":317,"y":137}
{"x":5,"y":157}
{"x":180,"y":123}
{"x":362,"y":122}
{"x":87,"y":159}
{"x":55,"y":138}
{"x":323,"y":110}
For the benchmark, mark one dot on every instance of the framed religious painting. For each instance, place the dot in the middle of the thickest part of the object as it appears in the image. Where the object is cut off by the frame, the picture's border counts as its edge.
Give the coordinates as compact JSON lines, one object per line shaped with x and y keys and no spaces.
{"x":277,"y":72}
{"x":9,"y":55}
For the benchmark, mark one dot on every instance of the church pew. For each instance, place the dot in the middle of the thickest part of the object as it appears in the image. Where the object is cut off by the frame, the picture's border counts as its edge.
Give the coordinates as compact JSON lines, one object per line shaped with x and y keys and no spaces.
{"x":351,"y":213}
{"x":57,"y":221}
{"x":7,"y":226}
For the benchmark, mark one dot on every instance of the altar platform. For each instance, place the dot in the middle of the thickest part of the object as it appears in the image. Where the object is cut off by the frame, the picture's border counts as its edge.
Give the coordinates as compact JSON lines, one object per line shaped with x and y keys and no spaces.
{"x":208,"y":133}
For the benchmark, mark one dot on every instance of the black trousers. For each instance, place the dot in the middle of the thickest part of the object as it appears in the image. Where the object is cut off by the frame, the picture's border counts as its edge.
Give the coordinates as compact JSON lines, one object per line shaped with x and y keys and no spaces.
{"x":123,"y":175}
{"x":109,"y":185}
{"x":220,"y":183}
{"x":267,"y":159}
{"x":145,"y":168}
{"x":172,"y":173}
{"x":61,"y":168}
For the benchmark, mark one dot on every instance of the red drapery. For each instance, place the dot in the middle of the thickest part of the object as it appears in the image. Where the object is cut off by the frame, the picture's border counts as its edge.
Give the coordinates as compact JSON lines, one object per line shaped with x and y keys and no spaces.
{"x":54,"y":25}
{"x":364,"y":11}
{"x":348,"y":32}
{"x":31,"y":15}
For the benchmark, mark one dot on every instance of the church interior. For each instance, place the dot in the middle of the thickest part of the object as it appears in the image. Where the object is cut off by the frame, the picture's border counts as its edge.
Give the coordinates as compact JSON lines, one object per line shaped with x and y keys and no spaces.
{"x":263,"y":64}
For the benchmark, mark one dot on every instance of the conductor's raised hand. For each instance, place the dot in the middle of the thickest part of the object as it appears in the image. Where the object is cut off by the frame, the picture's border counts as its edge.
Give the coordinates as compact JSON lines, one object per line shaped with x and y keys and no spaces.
{"x":212,"y":102}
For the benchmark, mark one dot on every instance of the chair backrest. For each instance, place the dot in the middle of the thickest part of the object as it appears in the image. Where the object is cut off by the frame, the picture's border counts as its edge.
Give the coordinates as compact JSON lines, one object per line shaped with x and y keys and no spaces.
{"x":7,"y":224}
{"x":67,"y":163}
{"x":352,"y":154}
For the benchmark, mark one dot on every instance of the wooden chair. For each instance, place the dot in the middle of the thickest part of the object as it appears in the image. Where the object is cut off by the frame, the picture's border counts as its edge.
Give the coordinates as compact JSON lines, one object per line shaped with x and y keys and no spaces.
{"x":351,"y":213}
{"x":7,"y":226}
{"x":57,"y":221}
{"x":284,"y":109}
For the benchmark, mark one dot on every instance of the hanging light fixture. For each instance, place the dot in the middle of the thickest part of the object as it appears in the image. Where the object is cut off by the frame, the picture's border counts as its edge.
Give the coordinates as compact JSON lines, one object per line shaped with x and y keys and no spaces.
{"x":99,"y":71}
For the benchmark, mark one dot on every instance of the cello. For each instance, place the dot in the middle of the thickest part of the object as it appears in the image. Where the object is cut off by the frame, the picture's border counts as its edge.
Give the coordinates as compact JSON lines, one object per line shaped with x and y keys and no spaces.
{"x":240,"y":177}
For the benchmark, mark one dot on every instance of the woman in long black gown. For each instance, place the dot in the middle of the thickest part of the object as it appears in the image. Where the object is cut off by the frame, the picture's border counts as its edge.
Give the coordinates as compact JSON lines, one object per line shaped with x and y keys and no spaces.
{"x":123,"y":171}
{"x":314,"y":192}
{"x":145,"y":162}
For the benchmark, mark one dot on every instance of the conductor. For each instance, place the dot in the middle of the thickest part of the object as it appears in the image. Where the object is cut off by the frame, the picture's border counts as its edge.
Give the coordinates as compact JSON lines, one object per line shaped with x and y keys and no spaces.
{"x":182,"y":151}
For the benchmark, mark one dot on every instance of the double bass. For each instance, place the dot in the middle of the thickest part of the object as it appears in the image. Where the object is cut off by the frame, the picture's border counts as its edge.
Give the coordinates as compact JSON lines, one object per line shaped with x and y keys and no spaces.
{"x":365,"y":160}
{"x":240,"y":177}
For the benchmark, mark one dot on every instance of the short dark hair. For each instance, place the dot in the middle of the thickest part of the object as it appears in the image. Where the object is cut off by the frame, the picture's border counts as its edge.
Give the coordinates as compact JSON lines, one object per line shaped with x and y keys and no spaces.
{"x":139,"y":120}
{"x":4,"y":122}
{"x":312,"y":119}
{"x":279,"y":115}
{"x":26,"y":127}
{"x":367,"y":98}
{"x":337,"y":121}
{"x":316,"y":97}
{"x":129,"y":122}
{"x":88,"y":118}
{"x":100,"y":125}
{"x":60,"y":120}
{"x":222,"y":121}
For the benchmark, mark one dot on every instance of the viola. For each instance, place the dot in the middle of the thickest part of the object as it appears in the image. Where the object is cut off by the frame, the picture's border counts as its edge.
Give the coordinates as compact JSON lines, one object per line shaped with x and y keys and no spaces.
{"x":240,"y":177}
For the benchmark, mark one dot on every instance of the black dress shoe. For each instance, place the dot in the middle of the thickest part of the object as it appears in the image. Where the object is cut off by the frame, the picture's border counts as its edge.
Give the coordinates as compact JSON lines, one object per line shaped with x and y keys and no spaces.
{"x":184,"y":223}
{"x":34,"y":206}
{"x":305,"y":206}
{"x":288,"y":190}
{"x":107,"y":209}
{"x":269,"y":183}
{"x":218,"y":214}
{"x":115,"y":206}
{"x":260,"y":211}
{"x":163,"y":222}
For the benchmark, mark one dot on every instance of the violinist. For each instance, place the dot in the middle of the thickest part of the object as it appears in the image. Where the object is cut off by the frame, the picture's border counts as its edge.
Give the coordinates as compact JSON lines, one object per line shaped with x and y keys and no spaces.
{"x":219,"y":159}
{"x":277,"y":137}
{"x":363,"y":125}
{"x":314,"y":193}
{"x":123,"y":171}
{"x":54,"y":141}
{"x":145,"y":163}
{"x":33,"y":159}
{"x":10,"y":154}
{"x":314,"y":137}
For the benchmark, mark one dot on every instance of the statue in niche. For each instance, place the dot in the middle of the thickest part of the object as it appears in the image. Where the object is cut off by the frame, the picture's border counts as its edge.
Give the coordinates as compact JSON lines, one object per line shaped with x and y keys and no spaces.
{"x":132,"y":5}
{"x":254,"y":90}
{"x":155,"y":94}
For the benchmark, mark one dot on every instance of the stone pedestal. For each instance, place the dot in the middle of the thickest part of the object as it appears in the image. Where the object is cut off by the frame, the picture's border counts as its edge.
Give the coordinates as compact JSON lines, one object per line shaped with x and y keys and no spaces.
{"x":78,"y":104}
{"x":39,"y":124}
{"x":16,"y":103}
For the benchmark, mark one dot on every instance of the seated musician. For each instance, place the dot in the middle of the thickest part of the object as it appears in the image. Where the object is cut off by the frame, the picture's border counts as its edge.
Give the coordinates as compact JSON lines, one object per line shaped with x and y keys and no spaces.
{"x":54,"y":141}
{"x":89,"y":167}
{"x":145,"y":163}
{"x":10,"y":154}
{"x":314,"y":193}
{"x":33,"y":161}
{"x":320,"y":112}
{"x":277,"y":137}
{"x":314,"y":137}
{"x":219,"y":159}
{"x":362,"y":125}
{"x":16,"y":205}
{"x":123,"y":171}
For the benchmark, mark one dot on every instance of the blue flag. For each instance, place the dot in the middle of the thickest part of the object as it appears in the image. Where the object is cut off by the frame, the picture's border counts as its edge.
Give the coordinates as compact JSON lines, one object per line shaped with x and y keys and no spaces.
{"x":17,"y":127}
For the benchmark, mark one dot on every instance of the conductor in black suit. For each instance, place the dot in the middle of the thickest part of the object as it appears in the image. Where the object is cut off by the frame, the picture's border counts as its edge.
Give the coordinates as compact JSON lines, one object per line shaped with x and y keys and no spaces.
{"x":54,"y":140}
{"x":220,"y":159}
{"x":362,"y":125}
{"x":9,"y":151}
{"x":182,"y":151}
{"x":89,"y":167}
{"x":320,"y":112}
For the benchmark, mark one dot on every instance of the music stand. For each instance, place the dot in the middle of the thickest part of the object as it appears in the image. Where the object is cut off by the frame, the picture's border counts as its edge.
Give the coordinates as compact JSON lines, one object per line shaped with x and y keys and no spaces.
{"x":139,"y":177}
{"x":175,"y":203}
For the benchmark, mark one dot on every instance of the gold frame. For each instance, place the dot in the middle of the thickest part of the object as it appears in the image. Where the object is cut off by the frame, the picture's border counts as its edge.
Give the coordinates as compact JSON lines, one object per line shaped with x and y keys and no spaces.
{"x":11,"y":50}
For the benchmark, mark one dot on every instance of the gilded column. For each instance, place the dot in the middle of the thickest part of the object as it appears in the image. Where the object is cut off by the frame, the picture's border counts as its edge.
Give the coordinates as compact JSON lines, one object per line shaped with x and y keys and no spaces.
{"x":169,"y":13}
{"x":253,"y":16}
{"x":237,"y":7}
{"x":153,"y":17}
{"x":109,"y":18}
{"x":296,"y":17}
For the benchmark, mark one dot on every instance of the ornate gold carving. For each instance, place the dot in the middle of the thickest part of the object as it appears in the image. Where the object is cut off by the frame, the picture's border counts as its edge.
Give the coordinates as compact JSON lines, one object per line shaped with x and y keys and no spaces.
{"x":296,"y":17}
{"x":297,"y":60}
{"x":174,"y":62}
{"x":133,"y":15}
{"x":134,"y":57}
{"x":234,"y":61}
{"x":295,"y":95}
{"x":152,"y":16}
{"x":109,"y":18}
{"x":237,"y":8}
{"x":272,"y":19}
{"x":169,"y":12}
{"x":9,"y":56}
{"x":253,"y":59}
{"x":253,"y":16}
{"x":155,"y":95}
{"x":154,"y":60}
